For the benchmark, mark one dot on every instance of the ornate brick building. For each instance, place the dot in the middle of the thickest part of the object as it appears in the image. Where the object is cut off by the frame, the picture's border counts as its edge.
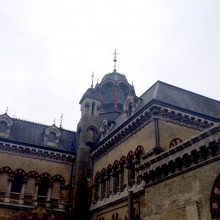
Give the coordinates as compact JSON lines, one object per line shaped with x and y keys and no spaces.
{"x":150,"y":157}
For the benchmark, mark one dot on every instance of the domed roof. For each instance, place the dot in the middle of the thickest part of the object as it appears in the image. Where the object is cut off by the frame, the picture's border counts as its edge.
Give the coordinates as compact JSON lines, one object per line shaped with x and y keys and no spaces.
{"x":114,"y":76}
{"x":91,"y":93}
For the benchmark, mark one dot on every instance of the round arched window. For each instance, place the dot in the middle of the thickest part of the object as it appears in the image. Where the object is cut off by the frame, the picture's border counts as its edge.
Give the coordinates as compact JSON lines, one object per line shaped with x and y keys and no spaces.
{"x":175,"y":142}
{"x":52,"y":137}
{"x":215,"y":199}
{"x":3,"y":126}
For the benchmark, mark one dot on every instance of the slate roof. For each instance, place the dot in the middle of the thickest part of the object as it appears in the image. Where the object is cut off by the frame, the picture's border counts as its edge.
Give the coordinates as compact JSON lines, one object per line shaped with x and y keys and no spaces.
{"x":181,"y":99}
{"x":177,"y":98}
{"x":114,"y":76}
{"x":92,"y":93}
{"x":33,"y":134}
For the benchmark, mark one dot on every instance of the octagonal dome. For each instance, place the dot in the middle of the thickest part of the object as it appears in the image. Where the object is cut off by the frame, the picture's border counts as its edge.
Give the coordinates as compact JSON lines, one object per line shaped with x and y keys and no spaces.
{"x":114,"y":76}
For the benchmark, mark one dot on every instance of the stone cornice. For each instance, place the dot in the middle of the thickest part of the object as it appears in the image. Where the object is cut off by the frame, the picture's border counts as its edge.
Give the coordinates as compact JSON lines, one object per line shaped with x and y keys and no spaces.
{"x":154,"y":111}
{"x":37,"y":153}
{"x":191,"y":154}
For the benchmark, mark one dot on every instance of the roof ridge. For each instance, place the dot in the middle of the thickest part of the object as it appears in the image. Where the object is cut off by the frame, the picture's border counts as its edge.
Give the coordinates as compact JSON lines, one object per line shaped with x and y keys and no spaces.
{"x":194,"y":93}
{"x":149,"y":88}
{"x":38,"y":123}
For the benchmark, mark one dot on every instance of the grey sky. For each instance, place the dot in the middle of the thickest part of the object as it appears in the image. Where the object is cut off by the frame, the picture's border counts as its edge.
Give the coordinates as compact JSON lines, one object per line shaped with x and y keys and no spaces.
{"x":48,"y":50}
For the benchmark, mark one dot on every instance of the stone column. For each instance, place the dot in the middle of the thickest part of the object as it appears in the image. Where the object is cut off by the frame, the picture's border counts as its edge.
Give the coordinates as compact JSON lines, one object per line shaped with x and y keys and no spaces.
{"x":8,"y":193}
{"x":100,"y":190}
{"x":113,"y":182}
{"x":107,"y":186}
{"x":155,"y":112}
{"x":21,"y":196}
{"x":130,"y":206}
{"x":121,"y":182}
{"x":48,"y":195}
{"x":37,"y":183}
{"x":127,"y":166}
{"x":136,"y":162}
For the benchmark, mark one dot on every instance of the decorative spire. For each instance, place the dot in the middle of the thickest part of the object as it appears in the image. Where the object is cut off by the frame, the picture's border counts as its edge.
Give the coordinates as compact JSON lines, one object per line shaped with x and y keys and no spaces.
{"x":54,"y":121}
{"x":115,"y":59}
{"x":61,"y":120}
{"x":92,"y":79}
{"x":6,"y":111}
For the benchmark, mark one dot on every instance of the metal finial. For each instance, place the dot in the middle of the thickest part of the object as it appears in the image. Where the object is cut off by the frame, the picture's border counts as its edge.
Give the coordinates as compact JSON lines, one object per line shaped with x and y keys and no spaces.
{"x":6,"y":111}
{"x":54,"y":121}
{"x":61,"y":120}
{"x":115,"y":59}
{"x":92,"y":79}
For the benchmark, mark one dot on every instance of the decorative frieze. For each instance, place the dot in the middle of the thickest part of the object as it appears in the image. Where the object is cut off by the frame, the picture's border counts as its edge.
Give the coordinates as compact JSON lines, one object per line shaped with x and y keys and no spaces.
{"x":154,"y":112}
{"x":196,"y":152}
{"x":36,"y":153}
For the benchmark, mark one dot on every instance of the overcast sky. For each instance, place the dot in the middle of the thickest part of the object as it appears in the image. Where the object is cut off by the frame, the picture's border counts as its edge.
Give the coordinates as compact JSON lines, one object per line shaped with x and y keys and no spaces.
{"x":49,"y":49}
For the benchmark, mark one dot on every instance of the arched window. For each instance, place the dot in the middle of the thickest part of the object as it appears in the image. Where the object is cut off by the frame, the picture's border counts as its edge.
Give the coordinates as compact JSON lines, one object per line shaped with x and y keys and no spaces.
{"x":92,"y":131}
{"x":43,"y":187}
{"x":215,"y":199}
{"x":116,"y":177}
{"x":51,"y":137}
{"x":121,"y":96}
{"x":131,"y":170}
{"x":175,"y":142}
{"x":3,"y":126}
{"x":17,"y":183}
{"x":103,"y":183}
{"x":109,"y":95}
{"x":129,"y":109}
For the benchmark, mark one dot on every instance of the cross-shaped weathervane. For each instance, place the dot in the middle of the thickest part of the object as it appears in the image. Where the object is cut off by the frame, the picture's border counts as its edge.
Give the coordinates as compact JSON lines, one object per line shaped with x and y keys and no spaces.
{"x":115,"y":59}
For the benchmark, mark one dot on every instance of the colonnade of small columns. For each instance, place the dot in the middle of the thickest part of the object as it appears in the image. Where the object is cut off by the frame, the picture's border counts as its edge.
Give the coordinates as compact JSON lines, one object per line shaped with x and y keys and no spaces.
{"x":9,"y":194}
{"x":115,"y":179}
{"x":22,"y":192}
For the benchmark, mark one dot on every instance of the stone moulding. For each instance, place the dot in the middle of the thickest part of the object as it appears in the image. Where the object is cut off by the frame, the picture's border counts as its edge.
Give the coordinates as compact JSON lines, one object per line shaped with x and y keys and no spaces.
{"x":191,"y":154}
{"x":165,"y":114}
{"x":36,"y":153}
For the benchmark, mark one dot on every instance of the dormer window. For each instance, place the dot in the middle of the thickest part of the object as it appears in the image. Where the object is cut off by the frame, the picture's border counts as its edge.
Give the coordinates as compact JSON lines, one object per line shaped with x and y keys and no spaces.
{"x":129,"y":109}
{"x":3,"y":126}
{"x":51,"y":137}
